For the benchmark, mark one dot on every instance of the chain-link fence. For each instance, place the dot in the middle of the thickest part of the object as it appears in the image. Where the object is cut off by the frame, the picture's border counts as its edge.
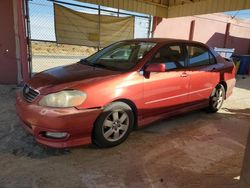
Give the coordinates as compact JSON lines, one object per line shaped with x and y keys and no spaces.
{"x":46,"y":53}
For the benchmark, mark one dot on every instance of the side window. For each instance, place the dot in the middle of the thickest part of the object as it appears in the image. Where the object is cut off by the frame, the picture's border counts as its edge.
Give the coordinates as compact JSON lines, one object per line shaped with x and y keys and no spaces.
{"x":171,"y":55}
{"x":198,"y":56}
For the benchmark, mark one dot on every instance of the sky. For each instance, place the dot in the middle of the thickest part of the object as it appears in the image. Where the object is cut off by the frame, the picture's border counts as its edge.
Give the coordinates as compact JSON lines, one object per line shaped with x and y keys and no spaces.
{"x":42,"y":19}
{"x":242,"y":14}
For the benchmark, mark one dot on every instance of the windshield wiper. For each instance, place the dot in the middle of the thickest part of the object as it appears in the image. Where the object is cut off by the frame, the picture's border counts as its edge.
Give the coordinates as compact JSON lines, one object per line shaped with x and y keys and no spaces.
{"x":99,"y":65}
{"x":85,"y":62}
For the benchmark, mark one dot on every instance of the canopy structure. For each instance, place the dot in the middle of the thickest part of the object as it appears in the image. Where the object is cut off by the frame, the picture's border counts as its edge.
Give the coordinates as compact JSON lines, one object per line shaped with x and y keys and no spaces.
{"x":174,"y":8}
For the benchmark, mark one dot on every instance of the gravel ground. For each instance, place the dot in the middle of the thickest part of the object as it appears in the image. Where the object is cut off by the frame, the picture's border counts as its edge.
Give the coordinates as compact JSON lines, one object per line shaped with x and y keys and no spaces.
{"x":195,"y":150}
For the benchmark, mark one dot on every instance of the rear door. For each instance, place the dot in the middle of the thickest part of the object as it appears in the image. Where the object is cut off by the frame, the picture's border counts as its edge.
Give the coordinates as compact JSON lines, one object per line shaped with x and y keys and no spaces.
{"x":163,"y":90}
{"x":202,"y":72}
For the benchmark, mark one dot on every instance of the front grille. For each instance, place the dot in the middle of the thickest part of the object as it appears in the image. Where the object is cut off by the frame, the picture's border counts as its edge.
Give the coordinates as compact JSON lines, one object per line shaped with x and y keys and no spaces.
{"x":29,"y":94}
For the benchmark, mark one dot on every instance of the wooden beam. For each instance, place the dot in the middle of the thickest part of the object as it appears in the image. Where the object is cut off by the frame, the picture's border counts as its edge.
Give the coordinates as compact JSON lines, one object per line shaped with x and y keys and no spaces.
{"x":175,"y":9}
{"x":207,"y":7}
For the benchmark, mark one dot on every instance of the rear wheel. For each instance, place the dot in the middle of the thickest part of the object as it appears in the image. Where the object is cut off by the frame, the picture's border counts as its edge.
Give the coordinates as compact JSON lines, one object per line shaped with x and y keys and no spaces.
{"x":217,"y":98}
{"x":113,"y":125}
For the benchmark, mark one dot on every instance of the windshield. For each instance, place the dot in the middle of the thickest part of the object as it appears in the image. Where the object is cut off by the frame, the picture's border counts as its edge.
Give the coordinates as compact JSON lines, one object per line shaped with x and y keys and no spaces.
{"x":120,"y":56}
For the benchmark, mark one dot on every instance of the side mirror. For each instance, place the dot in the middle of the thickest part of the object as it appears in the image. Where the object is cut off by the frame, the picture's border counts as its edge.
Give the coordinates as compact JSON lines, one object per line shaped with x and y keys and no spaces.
{"x":156,"y":67}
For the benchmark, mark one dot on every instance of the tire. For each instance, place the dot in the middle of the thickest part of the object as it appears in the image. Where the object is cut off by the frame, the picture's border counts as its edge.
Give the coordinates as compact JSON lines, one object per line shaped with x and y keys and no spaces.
{"x":114,"y":124}
{"x":217,"y":98}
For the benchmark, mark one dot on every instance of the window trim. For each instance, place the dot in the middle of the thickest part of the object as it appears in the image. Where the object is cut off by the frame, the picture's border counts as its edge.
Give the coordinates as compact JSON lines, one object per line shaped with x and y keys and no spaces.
{"x":212,"y":56}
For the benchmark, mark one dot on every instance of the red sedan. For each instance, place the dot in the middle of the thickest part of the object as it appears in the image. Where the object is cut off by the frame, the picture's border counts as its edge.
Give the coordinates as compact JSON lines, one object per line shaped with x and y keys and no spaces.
{"x":127,"y":85}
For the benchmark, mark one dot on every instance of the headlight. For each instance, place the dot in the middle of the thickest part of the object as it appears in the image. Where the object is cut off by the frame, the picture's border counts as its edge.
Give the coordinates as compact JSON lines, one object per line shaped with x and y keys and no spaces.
{"x":63,"y":99}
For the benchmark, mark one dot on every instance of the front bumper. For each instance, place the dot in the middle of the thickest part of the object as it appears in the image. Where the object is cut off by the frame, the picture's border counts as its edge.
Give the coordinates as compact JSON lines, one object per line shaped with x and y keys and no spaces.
{"x":37,"y":120}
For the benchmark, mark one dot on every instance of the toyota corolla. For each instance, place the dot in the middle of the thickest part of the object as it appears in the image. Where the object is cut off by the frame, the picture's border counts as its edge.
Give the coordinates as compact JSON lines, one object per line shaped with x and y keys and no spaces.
{"x":126,"y":85}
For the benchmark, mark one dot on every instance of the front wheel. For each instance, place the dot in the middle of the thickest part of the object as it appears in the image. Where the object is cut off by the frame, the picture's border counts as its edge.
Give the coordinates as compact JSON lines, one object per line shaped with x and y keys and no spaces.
{"x":113,"y":125}
{"x":217,"y":98}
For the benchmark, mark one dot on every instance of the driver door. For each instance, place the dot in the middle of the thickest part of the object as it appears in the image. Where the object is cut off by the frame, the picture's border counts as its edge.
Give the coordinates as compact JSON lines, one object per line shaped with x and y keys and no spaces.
{"x":165,"y":91}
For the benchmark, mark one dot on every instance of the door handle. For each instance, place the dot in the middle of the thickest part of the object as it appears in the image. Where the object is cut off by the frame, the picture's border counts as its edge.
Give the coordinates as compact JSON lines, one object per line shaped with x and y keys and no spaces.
{"x":184,"y":74}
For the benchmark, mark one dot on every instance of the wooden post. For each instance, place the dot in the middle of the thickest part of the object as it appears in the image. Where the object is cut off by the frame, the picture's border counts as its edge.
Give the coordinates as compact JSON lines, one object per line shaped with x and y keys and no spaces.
{"x":191,"y":32}
{"x":227,"y":33}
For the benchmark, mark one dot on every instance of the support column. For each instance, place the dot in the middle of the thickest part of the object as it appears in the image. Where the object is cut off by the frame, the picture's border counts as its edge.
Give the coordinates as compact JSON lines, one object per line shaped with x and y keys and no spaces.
{"x":191,"y":32}
{"x":21,"y":41}
{"x":227,"y":33}
{"x":156,"y":21}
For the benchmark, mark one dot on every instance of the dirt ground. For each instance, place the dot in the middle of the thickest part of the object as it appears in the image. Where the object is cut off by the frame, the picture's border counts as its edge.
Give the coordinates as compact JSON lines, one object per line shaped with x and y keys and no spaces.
{"x":46,"y":55}
{"x":49,"y":48}
{"x":195,"y":150}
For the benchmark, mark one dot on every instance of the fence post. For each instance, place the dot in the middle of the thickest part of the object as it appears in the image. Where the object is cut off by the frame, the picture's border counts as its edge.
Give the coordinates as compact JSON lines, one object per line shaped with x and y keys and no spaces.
{"x":149,"y":26}
{"x":99,"y":15}
{"x":28,"y":37}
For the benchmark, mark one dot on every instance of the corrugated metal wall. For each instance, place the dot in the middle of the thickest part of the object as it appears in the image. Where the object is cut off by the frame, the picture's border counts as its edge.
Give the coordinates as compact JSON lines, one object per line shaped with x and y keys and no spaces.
{"x":177,"y":8}
{"x":132,"y":5}
{"x":206,"y":7}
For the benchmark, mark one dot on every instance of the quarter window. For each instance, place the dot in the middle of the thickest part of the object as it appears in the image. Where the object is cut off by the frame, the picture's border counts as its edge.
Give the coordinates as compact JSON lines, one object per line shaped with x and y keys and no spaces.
{"x":198,"y":56}
{"x":171,"y":56}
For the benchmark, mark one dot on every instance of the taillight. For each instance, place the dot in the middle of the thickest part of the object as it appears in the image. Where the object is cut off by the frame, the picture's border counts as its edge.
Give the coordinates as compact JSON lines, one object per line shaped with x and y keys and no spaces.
{"x":234,"y":70}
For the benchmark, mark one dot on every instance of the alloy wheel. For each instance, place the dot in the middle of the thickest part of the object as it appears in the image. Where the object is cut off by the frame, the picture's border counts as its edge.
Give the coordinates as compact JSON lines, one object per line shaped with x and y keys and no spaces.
{"x":217,"y":98}
{"x":115,"y":125}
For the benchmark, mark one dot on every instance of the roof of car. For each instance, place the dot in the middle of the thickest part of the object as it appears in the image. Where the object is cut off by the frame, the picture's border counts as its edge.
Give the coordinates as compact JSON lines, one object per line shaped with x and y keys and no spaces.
{"x":165,"y":40}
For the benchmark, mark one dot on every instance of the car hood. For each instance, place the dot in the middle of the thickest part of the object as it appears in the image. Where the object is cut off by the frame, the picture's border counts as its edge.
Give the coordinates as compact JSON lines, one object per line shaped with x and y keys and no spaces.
{"x":69,"y":76}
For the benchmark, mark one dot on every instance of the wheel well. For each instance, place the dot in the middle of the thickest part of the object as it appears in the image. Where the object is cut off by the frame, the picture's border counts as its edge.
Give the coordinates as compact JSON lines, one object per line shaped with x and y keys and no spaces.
{"x":135,"y":111}
{"x":224,"y":85}
{"x":134,"y":108}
